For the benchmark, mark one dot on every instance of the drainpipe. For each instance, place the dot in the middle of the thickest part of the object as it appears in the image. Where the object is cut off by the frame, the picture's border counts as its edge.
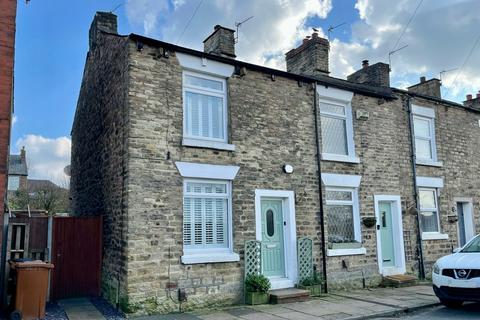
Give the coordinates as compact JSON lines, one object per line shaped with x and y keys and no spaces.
{"x":320,"y":196}
{"x":421,"y":262}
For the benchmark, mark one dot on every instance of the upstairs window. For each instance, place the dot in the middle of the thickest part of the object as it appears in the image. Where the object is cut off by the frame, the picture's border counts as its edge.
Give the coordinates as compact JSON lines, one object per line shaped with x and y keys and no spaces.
{"x":336,"y":125}
{"x":424,"y":130}
{"x":13,"y":183}
{"x":205,"y":116}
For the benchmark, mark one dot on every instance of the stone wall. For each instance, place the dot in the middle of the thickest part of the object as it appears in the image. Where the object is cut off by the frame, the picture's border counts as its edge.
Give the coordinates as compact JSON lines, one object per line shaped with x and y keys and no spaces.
{"x":99,"y":172}
{"x":382,"y":142}
{"x":270,"y":123}
{"x":458,"y":147}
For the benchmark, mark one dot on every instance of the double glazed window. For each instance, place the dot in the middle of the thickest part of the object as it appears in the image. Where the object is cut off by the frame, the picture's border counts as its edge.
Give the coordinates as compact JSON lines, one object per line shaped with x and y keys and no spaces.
{"x":337,"y":131}
{"x":204,"y":107}
{"x":205,"y":214}
{"x":424,"y":138}
{"x":343,"y":215}
{"x":424,"y":130}
{"x":429,"y":210}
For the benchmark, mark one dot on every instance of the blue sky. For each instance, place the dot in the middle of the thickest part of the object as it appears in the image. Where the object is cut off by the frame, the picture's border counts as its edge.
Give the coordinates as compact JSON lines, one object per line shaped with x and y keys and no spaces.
{"x":52,"y":42}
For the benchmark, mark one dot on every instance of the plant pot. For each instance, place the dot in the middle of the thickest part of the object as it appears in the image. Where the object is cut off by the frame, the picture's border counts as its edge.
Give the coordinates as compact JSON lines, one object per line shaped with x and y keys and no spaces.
{"x":369,"y":221}
{"x":253,"y":298}
{"x":345,"y":245}
{"x":315,"y":290}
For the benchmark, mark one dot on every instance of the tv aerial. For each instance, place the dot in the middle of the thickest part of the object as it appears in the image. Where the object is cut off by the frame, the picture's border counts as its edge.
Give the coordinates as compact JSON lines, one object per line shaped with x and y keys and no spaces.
{"x":238,"y":25}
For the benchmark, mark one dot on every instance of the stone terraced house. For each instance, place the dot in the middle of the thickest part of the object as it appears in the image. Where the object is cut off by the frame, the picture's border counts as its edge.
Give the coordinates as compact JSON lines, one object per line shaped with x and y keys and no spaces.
{"x":188,"y":155}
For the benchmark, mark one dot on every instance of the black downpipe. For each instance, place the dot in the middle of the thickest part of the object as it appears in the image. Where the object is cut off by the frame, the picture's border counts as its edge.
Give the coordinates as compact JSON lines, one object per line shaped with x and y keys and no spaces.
{"x":320,"y":196}
{"x":421,"y":267}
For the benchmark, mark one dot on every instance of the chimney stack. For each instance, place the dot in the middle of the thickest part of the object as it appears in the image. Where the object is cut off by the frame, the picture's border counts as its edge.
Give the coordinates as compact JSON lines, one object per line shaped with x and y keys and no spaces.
{"x":310,"y":58}
{"x":377,"y":74}
{"x":221,"y":42}
{"x":23,"y":154}
{"x":430,"y":88}
{"x":102,"y":22}
{"x":471,"y":102}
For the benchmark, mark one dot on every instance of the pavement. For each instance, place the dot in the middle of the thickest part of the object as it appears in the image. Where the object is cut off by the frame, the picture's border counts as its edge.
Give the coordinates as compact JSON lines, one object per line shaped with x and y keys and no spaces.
{"x":351,"y":305}
{"x":80,"y":309}
{"x":469,"y":311}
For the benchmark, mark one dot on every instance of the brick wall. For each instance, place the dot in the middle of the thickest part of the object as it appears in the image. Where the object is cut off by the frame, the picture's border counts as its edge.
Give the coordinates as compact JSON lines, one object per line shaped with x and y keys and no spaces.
{"x":8,"y":11}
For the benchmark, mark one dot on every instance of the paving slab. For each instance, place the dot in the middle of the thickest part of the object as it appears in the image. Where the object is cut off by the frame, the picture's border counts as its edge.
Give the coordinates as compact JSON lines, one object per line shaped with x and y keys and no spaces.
{"x":345,"y":305}
{"x":80,"y":309}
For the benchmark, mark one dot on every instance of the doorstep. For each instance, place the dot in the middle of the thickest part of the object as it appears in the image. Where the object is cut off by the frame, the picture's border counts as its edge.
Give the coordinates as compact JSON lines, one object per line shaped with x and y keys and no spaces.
{"x":288,"y":295}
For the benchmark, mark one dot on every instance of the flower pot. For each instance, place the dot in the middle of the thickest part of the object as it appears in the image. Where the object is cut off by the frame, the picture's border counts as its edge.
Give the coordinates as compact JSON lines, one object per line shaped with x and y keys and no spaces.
{"x":254,"y":298}
{"x":369,"y":221}
{"x":315,"y":290}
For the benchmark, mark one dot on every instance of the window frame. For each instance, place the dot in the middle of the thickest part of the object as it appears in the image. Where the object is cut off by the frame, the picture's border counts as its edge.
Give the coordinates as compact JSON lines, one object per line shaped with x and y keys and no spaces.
{"x":17,"y":182}
{"x":209,"y":92}
{"x":431,"y":139}
{"x":355,"y":208}
{"x":212,"y":254}
{"x":427,"y":234}
{"x":349,"y":134}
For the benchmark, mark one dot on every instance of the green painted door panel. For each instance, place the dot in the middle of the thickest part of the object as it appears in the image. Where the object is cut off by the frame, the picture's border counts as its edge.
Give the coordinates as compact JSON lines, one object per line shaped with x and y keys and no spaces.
{"x":386,"y":234}
{"x":273,"y":259}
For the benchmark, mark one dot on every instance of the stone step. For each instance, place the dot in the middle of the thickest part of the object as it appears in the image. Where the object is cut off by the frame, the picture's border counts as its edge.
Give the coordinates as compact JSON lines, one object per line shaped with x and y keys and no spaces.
{"x":288,"y":295}
{"x":399,"y":281}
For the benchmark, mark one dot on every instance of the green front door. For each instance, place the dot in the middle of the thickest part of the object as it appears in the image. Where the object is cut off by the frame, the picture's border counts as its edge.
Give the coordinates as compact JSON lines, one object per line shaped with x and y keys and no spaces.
{"x":273,"y":259}
{"x":386,"y":234}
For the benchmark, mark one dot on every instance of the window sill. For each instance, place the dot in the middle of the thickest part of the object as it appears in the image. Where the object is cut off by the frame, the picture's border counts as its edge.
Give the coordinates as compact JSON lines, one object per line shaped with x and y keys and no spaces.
{"x":189,"y":142}
{"x":430,"y":163}
{"x":345,"y":252}
{"x":434,"y":236}
{"x":339,"y":158}
{"x":212,"y":257}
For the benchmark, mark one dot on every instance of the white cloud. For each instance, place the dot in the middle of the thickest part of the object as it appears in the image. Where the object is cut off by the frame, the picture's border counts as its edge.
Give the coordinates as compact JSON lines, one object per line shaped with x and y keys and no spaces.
{"x":46,"y":157}
{"x":439,"y":37}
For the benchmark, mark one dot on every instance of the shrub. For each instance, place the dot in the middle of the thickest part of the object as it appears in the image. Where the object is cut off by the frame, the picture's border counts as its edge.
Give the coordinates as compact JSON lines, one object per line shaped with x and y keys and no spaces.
{"x":257,"y":283}
{"x":314,"y":279}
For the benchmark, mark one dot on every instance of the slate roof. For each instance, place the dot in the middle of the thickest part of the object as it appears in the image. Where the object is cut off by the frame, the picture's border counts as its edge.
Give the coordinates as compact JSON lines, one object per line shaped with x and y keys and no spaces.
{"x":17,"y":166}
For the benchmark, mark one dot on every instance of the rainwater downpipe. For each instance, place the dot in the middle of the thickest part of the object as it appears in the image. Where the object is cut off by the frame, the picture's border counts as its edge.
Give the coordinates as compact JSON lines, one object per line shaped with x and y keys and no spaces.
{"x":319,"y":169}
{"x":421,"y":266}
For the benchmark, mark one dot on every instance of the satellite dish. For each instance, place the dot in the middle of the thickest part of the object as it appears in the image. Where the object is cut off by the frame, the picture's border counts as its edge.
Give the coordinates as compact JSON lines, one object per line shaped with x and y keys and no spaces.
{"x":67,"y":170}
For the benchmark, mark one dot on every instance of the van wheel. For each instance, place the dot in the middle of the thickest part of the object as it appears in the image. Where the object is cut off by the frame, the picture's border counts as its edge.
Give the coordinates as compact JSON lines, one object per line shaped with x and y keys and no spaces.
{"x":16,"y":315}
{"x":452,"y":303}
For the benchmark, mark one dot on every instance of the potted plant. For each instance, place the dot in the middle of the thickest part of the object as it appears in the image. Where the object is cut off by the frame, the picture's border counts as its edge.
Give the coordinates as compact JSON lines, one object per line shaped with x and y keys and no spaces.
{"x":313,"y":283}
{"x":256,"y":289}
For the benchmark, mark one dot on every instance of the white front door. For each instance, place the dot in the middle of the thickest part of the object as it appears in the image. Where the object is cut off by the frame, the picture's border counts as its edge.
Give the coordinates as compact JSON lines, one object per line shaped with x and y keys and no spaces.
{"x":390,"y":248}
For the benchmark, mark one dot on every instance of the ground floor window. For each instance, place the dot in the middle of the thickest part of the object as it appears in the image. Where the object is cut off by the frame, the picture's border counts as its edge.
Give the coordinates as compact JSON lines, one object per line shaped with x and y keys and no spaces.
{"x":343,"y":215}
{"x":429,"y":219}
{"x":206,"y":214}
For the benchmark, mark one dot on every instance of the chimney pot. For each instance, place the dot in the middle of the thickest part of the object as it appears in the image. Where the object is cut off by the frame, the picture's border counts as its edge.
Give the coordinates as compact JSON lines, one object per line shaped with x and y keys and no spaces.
{"x":364,"y":63}
{"x":469,"y":97}
{"x":423,"y":79}
{"x":310,"y":58}
{"x":221,"y":42}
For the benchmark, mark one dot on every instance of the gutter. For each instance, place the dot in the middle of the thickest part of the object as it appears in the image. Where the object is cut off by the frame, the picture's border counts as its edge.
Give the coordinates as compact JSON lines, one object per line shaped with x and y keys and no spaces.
{"x":320,"y":196}
{"x":421,"y":263}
